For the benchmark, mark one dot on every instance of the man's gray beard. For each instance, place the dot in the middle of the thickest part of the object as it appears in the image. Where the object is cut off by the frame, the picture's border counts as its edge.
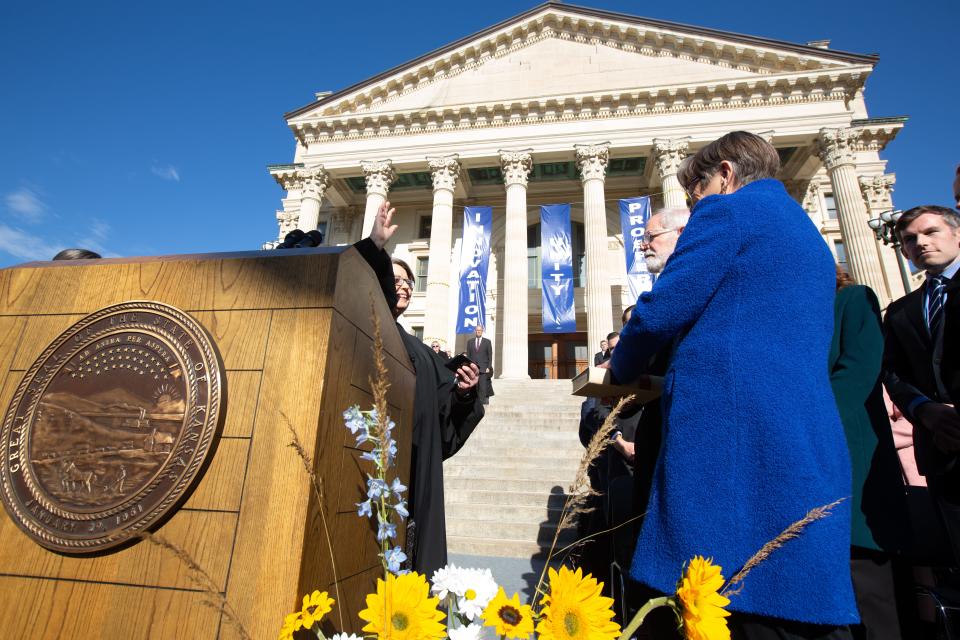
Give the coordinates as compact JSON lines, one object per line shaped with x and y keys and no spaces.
{"x":654,"y":264}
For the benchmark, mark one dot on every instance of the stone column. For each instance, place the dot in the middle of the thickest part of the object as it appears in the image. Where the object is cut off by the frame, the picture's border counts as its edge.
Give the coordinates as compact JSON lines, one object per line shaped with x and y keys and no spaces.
{"x":514,"y":357}
{"x":838,"y":151}
{"x":876,"y":195}
{"x":592,"y":162}
{"x":445,"y":171}
{"x":379,"y":176}
{"x":668,"y":153}
{"x":313,"y":183}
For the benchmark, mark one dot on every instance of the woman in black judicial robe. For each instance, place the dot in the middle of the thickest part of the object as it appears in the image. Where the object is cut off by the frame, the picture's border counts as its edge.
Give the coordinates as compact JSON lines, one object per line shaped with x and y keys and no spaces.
{"x":446,"y":408}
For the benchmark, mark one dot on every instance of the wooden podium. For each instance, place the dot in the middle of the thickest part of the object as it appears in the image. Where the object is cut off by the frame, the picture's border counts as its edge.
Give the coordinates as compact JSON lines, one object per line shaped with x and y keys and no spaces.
{"x":294,"y":330}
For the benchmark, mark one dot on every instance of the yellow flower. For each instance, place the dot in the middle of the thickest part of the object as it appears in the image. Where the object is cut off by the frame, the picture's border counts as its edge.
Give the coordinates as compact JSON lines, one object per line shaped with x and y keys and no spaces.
{"x":292,"y":623}
{"x":575,"y":610}
{"x":315,"y":606}
{"x":508,"y":616}
{"x":701,"y":606}
{"x":402,"y":609}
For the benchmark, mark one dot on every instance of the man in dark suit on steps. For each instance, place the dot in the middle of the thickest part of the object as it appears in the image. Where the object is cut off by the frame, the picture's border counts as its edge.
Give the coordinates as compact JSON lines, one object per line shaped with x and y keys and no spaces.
{"x":914,"y":350}
{"x":480,"y":350}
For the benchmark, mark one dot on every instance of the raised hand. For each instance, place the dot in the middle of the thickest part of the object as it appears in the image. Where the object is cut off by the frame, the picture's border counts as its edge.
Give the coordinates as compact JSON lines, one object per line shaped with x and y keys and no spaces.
{"x":382,"y":229}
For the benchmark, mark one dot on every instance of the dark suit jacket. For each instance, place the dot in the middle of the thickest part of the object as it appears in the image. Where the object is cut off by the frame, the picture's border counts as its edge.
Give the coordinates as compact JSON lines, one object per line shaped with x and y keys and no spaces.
{"x":484,"y":356}
{"x":599,"y":357}
{"x":911,"y":365}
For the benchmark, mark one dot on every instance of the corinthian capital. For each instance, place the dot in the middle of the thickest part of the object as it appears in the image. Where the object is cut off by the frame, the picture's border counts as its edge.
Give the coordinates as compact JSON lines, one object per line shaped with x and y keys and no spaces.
{"x":837,"y":147}
{"x":516,"y":166}
{"x":592,"y":160}
{"x":379,"y":176}
{"x":313,"y":182}
{"x":445,"y":171}
{"x":668,"y":153}
{"x":877,"y":190}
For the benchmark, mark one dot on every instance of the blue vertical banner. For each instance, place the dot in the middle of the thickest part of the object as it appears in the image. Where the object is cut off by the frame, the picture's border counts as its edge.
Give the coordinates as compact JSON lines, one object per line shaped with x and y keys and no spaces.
{"x":634,"y":215}
{"x":474,"y":261}
{"x":556,"y":247}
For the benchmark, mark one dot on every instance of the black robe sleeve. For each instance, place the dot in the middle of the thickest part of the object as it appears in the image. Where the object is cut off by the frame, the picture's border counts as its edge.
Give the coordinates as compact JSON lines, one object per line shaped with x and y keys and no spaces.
{"x":379,"y":260}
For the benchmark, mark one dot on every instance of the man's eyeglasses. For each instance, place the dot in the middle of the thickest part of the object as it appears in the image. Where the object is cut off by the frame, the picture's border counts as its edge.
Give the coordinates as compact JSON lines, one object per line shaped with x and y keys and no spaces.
{"x":398,"y":281}
{"x":648,"y":236}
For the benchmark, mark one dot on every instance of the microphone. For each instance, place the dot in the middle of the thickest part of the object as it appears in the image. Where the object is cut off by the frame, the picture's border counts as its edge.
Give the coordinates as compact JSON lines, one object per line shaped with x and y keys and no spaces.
{"x":310,"y":239}
{"x":291,"y":239}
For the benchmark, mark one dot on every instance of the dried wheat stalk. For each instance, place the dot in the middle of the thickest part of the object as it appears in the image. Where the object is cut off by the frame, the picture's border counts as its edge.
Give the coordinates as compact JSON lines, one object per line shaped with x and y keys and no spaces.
{"x":197,"y":575}
{"x":786,"y":535}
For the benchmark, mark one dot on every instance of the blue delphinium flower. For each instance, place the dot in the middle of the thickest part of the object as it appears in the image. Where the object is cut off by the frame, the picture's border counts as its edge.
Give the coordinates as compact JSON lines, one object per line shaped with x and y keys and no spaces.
{"x":401,"y":509}
{"x":397,"y":488}
{"x":372,"y":456}
{"x":354,"y":420}
{"x":394,"y":557}
{"x":365,"y":508}
{"x":386,"y":530}
{"x":376,"y":488}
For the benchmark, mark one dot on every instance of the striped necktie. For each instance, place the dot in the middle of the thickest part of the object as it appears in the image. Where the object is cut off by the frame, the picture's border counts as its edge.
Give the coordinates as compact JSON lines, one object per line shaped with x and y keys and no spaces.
{"x":936,"y":287}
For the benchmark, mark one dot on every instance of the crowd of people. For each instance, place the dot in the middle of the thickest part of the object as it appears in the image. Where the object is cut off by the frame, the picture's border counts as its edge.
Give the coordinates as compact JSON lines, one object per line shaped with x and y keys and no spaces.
{"x":776,"y":367}
{"x":784,"y":389}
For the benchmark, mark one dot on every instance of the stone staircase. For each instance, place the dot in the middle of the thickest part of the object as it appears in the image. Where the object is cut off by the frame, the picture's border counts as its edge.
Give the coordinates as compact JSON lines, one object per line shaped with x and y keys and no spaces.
{"x":505,"y":488}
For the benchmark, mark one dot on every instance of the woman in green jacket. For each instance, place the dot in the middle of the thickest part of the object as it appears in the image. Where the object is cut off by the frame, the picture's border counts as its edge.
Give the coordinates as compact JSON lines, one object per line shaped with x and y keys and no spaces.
{"x":878,"y":507}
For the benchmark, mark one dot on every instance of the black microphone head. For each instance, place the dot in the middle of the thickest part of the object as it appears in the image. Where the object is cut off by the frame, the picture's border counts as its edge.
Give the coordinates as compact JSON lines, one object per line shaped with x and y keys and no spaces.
{"x":310,"y":239}
{"x":291,"y":239}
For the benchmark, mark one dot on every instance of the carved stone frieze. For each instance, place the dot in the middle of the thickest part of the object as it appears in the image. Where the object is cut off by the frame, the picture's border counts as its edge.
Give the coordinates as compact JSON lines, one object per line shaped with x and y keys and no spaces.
{"x":287,"y":221}
{"x":877,"y":190}
{"x":592,"y":160}
{"x":516,"y":166}
{"x":668,"y":153}
{"x":379,"y":175}
{"x":445,"y":170}
{"x":838,"y":147}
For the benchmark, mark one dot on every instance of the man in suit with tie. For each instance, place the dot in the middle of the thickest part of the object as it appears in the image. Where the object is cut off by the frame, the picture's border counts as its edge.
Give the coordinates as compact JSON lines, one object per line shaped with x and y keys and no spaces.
{"x":480,"y":350}
{"x":601,"y":355}
{"x":914,"y":350}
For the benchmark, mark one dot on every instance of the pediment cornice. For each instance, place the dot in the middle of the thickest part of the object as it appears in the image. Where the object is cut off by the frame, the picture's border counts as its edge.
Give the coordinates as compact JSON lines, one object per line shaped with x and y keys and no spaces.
{"x":841,"y":83}
{"x":641,"y":36}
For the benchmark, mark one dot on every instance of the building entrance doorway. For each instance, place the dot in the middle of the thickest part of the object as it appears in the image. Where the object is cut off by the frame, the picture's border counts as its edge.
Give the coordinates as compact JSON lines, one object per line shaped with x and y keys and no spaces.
{"x":558,"y":356}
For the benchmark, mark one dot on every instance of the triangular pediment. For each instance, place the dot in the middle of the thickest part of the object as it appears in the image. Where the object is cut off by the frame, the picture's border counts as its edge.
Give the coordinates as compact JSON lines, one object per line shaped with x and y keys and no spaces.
{"x":560,"y":50}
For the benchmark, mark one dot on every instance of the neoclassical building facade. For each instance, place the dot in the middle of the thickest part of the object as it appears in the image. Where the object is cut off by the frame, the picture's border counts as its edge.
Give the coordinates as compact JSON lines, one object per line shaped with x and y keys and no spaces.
{"x":565,"y":104}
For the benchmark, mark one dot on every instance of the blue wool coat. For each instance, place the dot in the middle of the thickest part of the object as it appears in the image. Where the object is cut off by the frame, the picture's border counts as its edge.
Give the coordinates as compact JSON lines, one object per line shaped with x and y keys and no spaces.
{"x":751,"y":435}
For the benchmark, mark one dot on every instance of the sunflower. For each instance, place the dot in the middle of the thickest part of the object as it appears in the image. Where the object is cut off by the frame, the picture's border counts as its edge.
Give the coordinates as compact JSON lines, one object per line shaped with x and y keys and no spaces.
{"x":315,"y":606}
{"x":508,"y":616}
{"x":701,"y":606}
{"x":402,"y":609}
{"x":292,"y":623}
{"x":575,"y":610}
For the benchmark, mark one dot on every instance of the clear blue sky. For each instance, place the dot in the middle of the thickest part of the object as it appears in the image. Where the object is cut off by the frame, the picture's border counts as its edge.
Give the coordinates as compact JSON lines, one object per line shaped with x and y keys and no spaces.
{"x":145,"y":128}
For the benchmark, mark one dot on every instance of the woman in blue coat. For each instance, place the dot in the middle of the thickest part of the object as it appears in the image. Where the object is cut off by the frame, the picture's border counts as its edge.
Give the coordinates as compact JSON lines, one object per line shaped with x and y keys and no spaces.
{"x":751,"y":436}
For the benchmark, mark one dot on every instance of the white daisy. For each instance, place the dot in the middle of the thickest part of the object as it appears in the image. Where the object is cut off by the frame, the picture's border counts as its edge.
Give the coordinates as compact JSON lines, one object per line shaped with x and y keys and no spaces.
{"x":469,"y":632}
{"x":345,"y":636}
{"x":479,"y":589}
{"x":447,"y":580}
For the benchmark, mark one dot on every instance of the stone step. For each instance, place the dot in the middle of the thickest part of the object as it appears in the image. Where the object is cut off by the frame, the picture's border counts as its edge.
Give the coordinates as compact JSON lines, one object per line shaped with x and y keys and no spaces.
{"x":517,"y":434}
{"x":470,"y":545}
{"x":482,"y":497}
{"x":508,"y":473}
{"x":547,"y":419}
{"x":544,"y":487}
{"x":544,"y":465}
{"x":503,"y":513}
{"x":541,"y":532}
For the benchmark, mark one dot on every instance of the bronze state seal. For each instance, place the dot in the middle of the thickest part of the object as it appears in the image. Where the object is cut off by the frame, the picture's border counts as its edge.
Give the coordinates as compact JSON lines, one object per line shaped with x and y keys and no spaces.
{"x":110,"y":427}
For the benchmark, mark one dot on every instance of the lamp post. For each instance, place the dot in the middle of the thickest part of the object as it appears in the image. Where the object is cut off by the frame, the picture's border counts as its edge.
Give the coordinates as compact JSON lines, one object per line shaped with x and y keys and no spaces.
{"x":883,"y":228}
